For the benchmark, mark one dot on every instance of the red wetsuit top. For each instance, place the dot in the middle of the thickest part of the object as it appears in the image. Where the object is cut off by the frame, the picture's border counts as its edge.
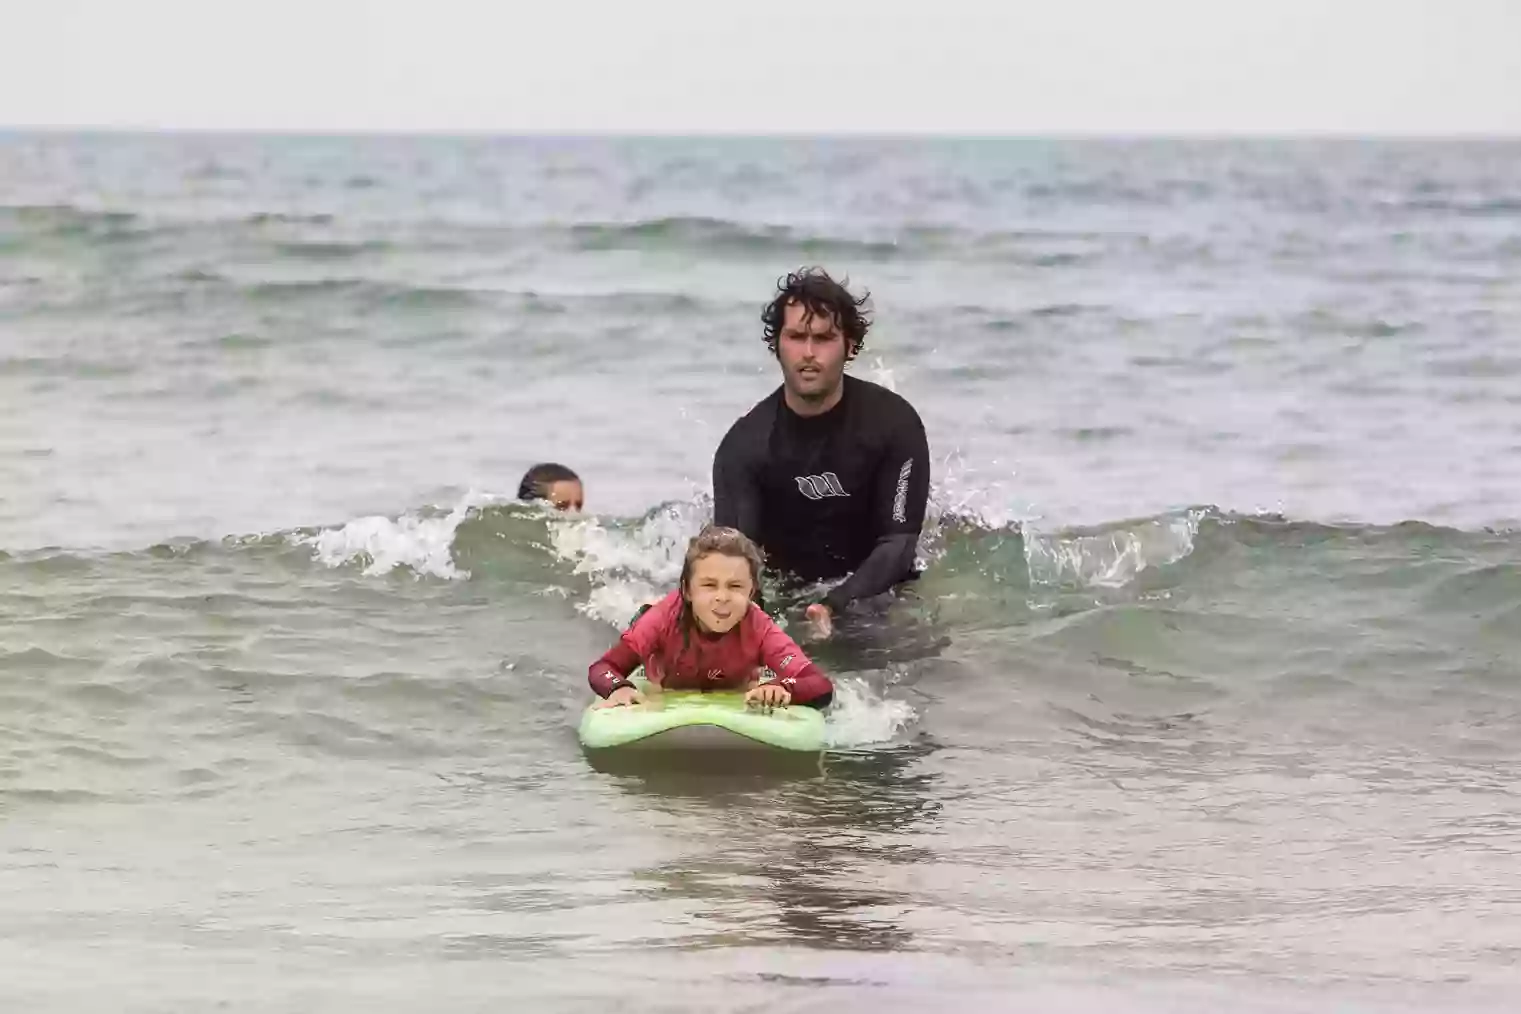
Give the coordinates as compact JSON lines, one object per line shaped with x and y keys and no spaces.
{"x":732,"y":660}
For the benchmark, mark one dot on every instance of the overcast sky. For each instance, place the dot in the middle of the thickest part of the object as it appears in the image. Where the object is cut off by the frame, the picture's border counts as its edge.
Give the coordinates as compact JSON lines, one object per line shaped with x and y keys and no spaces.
{"x":1061,"y":66}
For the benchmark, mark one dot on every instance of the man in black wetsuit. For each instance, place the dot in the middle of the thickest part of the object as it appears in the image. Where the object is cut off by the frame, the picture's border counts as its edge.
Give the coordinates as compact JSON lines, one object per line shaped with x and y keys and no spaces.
{"x":828,"y":473}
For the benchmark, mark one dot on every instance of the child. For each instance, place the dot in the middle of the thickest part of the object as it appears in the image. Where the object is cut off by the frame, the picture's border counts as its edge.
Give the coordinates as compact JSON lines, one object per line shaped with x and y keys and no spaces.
{"x":553,"y":482}
{"x":708,"y":634}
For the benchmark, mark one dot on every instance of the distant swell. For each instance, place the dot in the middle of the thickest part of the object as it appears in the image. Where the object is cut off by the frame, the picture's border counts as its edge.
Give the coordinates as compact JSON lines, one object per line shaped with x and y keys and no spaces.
{"x":317,"y":238}
{"x":365,"y":291}
{"x":67,"y":220}
{"x":287,"y":218}
{"x":1033,"y":248}
{"x":329,"y":250}
{"x":722,"y":236}
{"x":1477,"y":207}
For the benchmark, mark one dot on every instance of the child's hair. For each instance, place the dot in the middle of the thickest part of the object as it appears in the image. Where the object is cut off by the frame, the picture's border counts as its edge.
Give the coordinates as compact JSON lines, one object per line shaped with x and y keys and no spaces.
{"x":537,"y":480}
{"x":725,"y":542}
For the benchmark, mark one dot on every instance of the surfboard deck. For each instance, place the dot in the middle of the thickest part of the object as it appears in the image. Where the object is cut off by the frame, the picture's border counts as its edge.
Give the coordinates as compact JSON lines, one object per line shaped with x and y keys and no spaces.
{"x":692,"y":720}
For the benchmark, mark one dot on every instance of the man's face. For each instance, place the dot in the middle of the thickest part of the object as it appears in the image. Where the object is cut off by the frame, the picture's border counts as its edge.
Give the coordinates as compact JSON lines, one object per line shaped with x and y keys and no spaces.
{"x":812,"y":353}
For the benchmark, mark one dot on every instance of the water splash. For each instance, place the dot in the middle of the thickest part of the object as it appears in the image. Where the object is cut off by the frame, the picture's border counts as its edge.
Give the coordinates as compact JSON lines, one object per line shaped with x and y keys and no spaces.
{"x":1110,"y":559}
{"x":629,"y":564}
{"x":861,"y":717}
{"x":419,"y":541}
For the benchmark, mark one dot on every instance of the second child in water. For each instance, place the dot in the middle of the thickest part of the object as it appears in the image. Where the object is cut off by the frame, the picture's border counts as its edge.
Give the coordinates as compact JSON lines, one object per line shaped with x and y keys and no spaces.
{"x":709,"y":634}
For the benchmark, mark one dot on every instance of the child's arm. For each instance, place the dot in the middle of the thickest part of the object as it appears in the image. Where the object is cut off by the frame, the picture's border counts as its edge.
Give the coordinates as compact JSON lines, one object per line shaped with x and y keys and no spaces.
{"x":609,"y":674}
{"x":795,"y":673}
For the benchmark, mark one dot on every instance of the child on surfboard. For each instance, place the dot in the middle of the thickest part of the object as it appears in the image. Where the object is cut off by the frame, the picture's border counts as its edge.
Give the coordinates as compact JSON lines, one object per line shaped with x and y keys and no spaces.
{"x":709,"y":634}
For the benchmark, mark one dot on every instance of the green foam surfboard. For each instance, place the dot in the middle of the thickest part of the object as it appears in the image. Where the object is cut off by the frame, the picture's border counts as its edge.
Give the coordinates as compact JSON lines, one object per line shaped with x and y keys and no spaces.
{"x":689,"y":719}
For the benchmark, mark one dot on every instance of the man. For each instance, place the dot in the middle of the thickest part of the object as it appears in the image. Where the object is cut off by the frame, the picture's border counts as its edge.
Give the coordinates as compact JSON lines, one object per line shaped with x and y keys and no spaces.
{"x":829,"y":473}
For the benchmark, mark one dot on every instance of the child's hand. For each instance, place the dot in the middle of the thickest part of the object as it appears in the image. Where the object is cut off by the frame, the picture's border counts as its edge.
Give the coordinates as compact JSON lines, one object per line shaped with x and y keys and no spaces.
{"x":768,"y":696}
{"x":621,"y":697}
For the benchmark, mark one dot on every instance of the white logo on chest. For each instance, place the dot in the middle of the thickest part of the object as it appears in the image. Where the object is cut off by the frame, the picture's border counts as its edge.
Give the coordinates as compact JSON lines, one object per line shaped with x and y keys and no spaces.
{"x":817,"y":487}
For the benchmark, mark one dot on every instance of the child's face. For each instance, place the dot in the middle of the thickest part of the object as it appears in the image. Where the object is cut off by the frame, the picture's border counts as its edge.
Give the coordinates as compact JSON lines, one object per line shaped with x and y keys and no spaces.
{"x":719,"y":590}
{"x":565,"y":494}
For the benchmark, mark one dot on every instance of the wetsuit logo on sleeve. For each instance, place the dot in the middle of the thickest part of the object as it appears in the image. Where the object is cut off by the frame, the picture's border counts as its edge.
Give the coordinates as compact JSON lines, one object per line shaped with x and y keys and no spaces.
{"x":817,"y":487}
{"x":900,"y":499}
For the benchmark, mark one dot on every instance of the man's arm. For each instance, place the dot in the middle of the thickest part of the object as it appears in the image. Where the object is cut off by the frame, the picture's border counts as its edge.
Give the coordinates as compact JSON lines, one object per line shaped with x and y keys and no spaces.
{"x":736,"y":493}
{"x":900,"y":494}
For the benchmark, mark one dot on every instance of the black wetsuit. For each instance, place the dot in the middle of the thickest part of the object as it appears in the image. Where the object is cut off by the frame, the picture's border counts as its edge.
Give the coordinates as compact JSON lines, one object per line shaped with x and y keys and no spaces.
{"x":829,"y":495}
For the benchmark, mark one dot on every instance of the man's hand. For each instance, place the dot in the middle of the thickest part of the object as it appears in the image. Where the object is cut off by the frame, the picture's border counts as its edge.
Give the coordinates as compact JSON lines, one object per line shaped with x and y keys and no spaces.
{"x":621,"y":697}
{"x":821,"y":618}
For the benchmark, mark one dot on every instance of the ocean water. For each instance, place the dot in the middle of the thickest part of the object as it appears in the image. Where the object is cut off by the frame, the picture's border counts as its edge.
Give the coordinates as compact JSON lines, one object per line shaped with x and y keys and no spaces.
{"x":1209,"y":698}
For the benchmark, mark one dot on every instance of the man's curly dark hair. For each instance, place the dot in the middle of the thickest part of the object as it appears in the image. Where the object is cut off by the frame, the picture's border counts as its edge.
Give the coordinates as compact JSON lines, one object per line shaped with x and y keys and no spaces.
{"x":819,"y":295}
